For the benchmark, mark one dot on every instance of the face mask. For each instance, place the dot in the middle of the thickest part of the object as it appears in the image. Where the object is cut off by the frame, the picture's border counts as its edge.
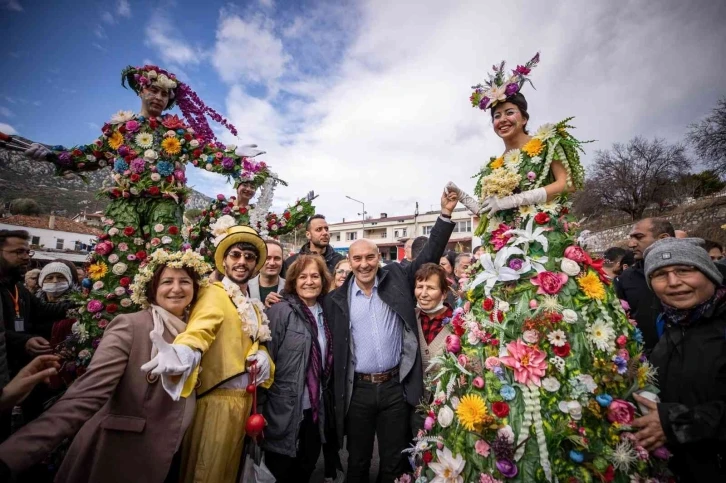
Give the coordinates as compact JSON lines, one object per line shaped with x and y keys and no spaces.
{"x":432,"y":311}
{"x":55,"y":288}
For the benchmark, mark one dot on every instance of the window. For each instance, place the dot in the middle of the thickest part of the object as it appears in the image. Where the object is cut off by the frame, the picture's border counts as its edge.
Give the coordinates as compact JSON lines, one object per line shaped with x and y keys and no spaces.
{"x":396,"y":234}
{"x":427,"y":229}
{"x":35,"y":240}
{"x":59,"y":244}
{"x":351,"y":235}
{"x":404,"y":233}
{"x":337,"y":237}
{"x":400,"y":233}
{"x":384,"y":234}
{"x":463,"y":226}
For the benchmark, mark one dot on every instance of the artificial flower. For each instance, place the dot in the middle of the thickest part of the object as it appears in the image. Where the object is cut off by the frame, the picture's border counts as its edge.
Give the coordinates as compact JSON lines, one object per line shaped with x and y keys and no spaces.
{"x":171,"y":145}
{"x":119,"y":268}
{"x":445,"y":416}
{"x":569,"y":316}
{"x":602,"y":334}
{"x":528,"y":363}
{"x":507,"y":468}
{"x":500,"y":409}
{"x":623,"y":456}
{"x":512,"y":159}
{"x":116,"y":140}
{"x":557,"y":338}
{"x":496,"y":269}
{"x":484,"y":478}
{"x":551,"y":384}
{"x":527,"y":210}
{"x":113,"y":258}
{"x":533,"y":147}
{"x":482,"y":448}
{"x":472,"y":411}
{"x":98,"y":285}
{"x":549,"y":282}
{"x":545,"y":132}
{"x":621,"y":412}
{"x":496,"y":94}
{"x":500,"y":182}
{"x":144,"y":140}
{"x":529,"y":235}
{"x":550,"y":303}
{"x":497,"y":163}
{"x":478,"y":382}
{"x":97,"y":271}
{"x":592,"y":286}
{"x":507,"y":392}
{"x":507,"y":433}
{"x":94,"y":306}
{"x":530,"y":336}
{"x":563,"y":350}
{"x":151,"y":155}
{"x":573,"y":252}
{"x":570,"y":267}
{"x":448,"y":468}
{"x":122,"y":116}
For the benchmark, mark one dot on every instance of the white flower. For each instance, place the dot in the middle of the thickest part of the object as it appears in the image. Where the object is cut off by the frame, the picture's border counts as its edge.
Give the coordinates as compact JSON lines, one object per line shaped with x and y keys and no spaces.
{"x":570,"y":267}
{"x":126,"y":302}
{"x":90,"y":158}
{"x":145,"y":140}
{"x":574,"y":408}
{"x":134,"y":191}
{"x":122,"y":116}
{"x":170,"y":133}
{"x":155,"y":176}
{"x":158,"y":228}
{"x":151,"y":155}
{"x":559,"y":363}
{"x":119,"y":291}
{"x":113,"y":258}
{"x":551,"y":207}
{"x":506,"y":432}
{"x":151,"y":74}
{"x":512,"y":159}
{"x":587,"y":381}
{"x":536,"y":159}
{"x":551,"y":384}
{"x":455,"y":402}
{"x":166,"y":240}
{"x":113,"y":231}
{"x":545,"y":132}
{"x":219,"y":228}
{"x":448,"y":468}
{"x":446,"y":416}
{"x":119,"y":268}
{"x":530,"y":336}
{"x":79,"y":331}
{"x":208,"y":167}
{"x":527,"y":210}
{"x":502,"y":305}
{"x":550,"y":303}
{"x":529,"y":235}
{"x":138,"y":241}
{"x":496,"y":94}
{"x":602,"y":335}
{"x":98,"y":285}
{"x":569,"y":316}
{"x":164,"y":82}
{"x":557,"y":338}
{"x":623,"y":456}
{"x":194,"y":143}
{"x":496,"y":269}
{"x":231,"y":148}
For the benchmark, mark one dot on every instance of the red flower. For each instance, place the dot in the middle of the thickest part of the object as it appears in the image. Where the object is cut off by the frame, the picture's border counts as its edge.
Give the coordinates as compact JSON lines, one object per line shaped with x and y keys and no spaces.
{"x":173,"y":122}
{"x":77,"y":152}
{"x":173,"y":230}
{"x":154,"y":190}
{"x":564,"y":211}
{"x":129,"y":230}
{"x":428,"y":457}
{"x":498,"y":314}
{"x":609,"y":474}
{"x":500,"y":409}
{"x":152,"y":123}
{"x":135,"y":177}
{"x":196,"y":153}
{"x":125,"y":281}
{"x":111,"y":308}
{"x":563,"y":351}
{"x":488,"y":304}
{"x":188,"y":137}
{"x":243,"y":210}
{"x":116,"y":192}
{"x":286,"y":215}
{"x":122,"y":129}
{"x":541,"y":218}
{"x":141,"y":255}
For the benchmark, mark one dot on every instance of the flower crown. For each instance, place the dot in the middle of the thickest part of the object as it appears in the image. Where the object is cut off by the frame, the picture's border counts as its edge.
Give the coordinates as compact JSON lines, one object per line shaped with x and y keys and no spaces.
{"x":497,"y":89}
{"x":160,"y":257}
{"x":150,"y":75}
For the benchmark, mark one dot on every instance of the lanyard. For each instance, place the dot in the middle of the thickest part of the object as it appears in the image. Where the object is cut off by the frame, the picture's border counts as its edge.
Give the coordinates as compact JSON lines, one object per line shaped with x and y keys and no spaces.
{"x":16,"y":299}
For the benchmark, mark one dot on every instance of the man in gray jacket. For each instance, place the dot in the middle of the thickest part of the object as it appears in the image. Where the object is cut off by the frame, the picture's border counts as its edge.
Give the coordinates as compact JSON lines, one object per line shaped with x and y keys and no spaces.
{"x":267,"y":286}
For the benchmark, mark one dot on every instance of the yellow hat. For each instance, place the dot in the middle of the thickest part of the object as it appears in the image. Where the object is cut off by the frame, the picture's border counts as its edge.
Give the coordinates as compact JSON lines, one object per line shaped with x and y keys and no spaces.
{"x":240,"y":234}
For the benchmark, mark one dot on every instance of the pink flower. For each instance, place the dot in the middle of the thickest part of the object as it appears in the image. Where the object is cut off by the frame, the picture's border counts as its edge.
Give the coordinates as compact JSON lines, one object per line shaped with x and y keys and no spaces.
{"x":622,"y":340}
{"x":533,"y":304}
{"x":453,"y":343}
{"x":573,"y":252}
{"x":429,"y":423}
{"x":155,"y":242}
{"x":485,"y":478}
{"x":482,"y":448}
{"x":549,"y":283}
{"x":94,"y":306}
{"x":499,"y":237}
{"x":463,"y":360}
{"x":528,"y":363}
{"x":621,"y":412}
{"x":625,"y":305}
{"x":491,"y":362}
{"x":132,"y":126}
{"x":104,"y":248}
{"x":220,"y":197}
{"x":102,"y":323}
{"x":478,"y":382}
{"x":531,"y":176}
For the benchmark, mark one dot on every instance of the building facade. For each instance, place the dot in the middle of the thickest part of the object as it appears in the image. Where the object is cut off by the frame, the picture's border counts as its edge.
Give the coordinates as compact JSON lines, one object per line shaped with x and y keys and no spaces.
{"x":53,"y":232}
{"x":391,"y":232}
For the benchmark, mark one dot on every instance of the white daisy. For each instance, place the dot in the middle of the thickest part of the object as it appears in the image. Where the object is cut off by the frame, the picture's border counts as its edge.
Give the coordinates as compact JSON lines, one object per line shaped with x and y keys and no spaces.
{"x":527,"y":210}
{"x":557,"y":338}
{"x":512,"y":159}
{"x":545,"y":132}
{"x":552,"y":207}
{"x":145,"y":140}
{"x":602,"y":335}
{"x":623,"y":456}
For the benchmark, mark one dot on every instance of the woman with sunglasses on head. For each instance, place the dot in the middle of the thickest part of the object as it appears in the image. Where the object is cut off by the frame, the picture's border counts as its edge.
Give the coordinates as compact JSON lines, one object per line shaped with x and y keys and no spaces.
{"x":341,"y":271}
{"x":126,"y":427}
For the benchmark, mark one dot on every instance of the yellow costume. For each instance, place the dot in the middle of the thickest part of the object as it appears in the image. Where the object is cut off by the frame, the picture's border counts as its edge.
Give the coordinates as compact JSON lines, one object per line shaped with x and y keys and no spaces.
{"x":212,"y":450}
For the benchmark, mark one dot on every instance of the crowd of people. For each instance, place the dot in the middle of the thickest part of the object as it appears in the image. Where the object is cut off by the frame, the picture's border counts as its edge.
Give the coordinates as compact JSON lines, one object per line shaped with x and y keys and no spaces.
{"x":441,"y":358}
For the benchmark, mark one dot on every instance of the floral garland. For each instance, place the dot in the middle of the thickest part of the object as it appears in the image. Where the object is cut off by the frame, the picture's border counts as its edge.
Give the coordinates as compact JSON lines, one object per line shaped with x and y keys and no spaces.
{"x":496,"y":89}
{"x":180,"y":259}
{"x":248,"y":310}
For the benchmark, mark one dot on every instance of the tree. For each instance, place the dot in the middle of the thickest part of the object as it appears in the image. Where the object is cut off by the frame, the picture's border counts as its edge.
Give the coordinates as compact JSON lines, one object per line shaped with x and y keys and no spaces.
{"x":25,"y":206}
{"x":696,"y":185}
{"x":631,"y":177}
{"x":708,"y":138}
{"x":192,"y":214}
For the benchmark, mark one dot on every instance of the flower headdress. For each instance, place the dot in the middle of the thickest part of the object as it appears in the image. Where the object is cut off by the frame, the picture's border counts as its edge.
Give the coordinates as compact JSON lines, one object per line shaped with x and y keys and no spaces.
{"x":160,"y":257}
{"x":191,"y":106}
{"x":498,"y":88}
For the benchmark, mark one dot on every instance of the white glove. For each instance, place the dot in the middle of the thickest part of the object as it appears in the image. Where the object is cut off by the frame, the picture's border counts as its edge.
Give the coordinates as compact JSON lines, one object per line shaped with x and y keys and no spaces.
{"x":493,"y":204}
{"x":38,"y":152}
{"x":248,"y":151}
{"x":166,"y":360}
{"x":469,"y":201}
{"x":262,"y":368}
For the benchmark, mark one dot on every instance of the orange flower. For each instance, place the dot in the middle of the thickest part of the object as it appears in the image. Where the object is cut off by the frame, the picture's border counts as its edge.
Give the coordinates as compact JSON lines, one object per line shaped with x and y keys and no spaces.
{"x":171,"y":145}
{"x":116,"y":140}
{"x":497,"y":163}
{"x":533,"y":147}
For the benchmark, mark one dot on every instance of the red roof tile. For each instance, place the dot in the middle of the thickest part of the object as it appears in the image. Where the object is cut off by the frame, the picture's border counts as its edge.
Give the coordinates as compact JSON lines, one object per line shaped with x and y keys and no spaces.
{"x":61,"y":224}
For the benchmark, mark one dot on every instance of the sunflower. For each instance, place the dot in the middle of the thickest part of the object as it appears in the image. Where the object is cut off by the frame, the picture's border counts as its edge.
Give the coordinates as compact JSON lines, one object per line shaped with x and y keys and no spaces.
{"x":497,"y":163}
{"x":116,"y":140}
{"x":592,"y":286}
{"x":171,"y":145}
{"x":97,"y":271}
{"x":472,"y":412}
{"x":533,"y":147}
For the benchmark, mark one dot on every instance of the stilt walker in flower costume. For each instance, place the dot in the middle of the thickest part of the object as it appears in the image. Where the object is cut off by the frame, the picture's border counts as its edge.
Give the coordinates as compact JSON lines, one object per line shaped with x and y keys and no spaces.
{"x":536,"y":381}
{"x":147,"y":153}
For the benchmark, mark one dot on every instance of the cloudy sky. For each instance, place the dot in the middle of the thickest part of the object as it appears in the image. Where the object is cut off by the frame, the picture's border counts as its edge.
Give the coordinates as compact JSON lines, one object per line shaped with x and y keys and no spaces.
{"x":366,"y":98}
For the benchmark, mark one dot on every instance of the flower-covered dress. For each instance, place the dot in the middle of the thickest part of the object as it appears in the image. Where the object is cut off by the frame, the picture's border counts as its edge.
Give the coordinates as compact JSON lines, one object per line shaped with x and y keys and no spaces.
{"x":537,"y":379}
{"x":147,"y":189}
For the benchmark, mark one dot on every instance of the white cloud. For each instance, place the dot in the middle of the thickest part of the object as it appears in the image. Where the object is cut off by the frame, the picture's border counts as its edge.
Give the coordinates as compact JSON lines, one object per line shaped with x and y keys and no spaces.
{"x":99,"y":31}
{"x":248,"y":50}
{"x":5,"y":112}
{"x":123,"y":8}
{"x":7,"y":129}
{"x":108,"y":18}
{"x":162,"y":36}
{"x":13,"y":5}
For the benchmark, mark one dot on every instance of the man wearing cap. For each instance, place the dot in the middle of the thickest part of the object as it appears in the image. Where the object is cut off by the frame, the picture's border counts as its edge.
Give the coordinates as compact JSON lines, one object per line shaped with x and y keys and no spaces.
{"x":223,"y":337}
{"x":690,"y":359}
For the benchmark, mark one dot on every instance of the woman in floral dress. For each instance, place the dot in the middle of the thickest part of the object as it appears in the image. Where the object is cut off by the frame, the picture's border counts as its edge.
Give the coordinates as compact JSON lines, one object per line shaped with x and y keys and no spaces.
{"x":554,"y":356}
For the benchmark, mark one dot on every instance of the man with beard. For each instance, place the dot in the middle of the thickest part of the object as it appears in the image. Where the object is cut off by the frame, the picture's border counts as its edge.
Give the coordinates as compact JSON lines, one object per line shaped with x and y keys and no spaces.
{"x":223,"y":336}
{"x":318,"y":234}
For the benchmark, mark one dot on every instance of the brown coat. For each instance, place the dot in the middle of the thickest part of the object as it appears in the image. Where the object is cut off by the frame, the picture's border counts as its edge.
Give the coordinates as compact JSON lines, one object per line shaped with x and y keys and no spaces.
{"x":129,"y":428}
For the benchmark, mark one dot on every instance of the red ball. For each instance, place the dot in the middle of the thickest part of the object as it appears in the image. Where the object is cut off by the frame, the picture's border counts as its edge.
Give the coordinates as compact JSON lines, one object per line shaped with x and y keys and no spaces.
{"x":250,"y":388}
{"x":255,"y":424}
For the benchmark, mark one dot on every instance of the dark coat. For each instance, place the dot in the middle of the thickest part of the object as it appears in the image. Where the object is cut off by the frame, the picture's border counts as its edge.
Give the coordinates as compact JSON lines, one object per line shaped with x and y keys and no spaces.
{"x":691,"y":363}
{"x":644,"y":305}
{"x":395,"y":287}
{"x":282,"y":403}
{"x":331,"y":258}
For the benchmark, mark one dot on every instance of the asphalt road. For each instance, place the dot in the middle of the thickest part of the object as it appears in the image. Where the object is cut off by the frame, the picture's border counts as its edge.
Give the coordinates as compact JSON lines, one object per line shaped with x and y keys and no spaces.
{"x":319,"y":474}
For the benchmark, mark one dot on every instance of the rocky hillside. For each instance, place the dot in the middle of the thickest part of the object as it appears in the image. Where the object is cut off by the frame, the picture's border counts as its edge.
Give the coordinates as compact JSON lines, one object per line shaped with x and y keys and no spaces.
{"x":21,"y":177}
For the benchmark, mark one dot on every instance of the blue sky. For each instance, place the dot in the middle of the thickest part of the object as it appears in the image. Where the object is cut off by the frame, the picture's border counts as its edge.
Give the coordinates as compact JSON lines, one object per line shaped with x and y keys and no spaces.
{"x":365,"y":98}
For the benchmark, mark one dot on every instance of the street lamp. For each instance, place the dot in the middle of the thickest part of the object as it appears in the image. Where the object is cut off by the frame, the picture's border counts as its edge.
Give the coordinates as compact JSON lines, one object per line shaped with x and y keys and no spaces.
{"x":364,"y":213}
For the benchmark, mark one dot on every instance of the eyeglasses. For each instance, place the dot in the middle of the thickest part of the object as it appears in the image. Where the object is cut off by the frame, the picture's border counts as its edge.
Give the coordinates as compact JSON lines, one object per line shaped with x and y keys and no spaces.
{"x":249,"y":257}
{"x":679,"y":272}
{"x":341,"y":271}
{"x":20,"y":252}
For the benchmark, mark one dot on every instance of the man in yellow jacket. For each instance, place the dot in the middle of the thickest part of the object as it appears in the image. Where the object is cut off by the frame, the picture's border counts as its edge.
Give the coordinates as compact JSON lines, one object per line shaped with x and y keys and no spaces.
{"x":214,"y":355}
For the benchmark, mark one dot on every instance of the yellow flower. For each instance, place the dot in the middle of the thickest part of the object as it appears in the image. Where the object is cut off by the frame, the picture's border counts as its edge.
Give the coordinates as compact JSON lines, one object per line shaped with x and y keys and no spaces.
{"x":116,"y":140}
{"x":472,"y":411}
{"x":497,"y":163}
{"x":97,"y":271}
{"x":171,"y":145}
{"x":533,"y":147}
{"x":592,"y":286}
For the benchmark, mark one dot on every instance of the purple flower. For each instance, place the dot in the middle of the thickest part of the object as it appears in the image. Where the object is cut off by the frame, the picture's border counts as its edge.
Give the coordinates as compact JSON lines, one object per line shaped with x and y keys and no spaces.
{"x":179,"y":175}
{"x":515,"y":263}
{"x":226,"y":210}
{"x":228,"y":163}
{"x":186,"y":246}
{"x":123,"y":150}
{"x":511,"y":89}
{"x":64,"y":159}
{"x":621,"y":364}
{"x":95,"y":343}
{"x":483,"y":103}
{"x":507,"y":468}
{"x":138,"y":165}
{"x":661,"y":453}
{"x":220,"y":197}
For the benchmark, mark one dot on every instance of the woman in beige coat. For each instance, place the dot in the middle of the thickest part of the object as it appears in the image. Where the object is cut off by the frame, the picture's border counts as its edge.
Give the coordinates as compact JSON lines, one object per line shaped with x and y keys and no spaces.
{"x":126,"y":426}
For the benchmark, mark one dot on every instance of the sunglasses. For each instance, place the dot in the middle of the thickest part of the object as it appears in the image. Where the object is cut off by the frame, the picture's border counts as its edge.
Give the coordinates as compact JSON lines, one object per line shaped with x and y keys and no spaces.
{"x":341,"y":271}
{"x":249,"y":257}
